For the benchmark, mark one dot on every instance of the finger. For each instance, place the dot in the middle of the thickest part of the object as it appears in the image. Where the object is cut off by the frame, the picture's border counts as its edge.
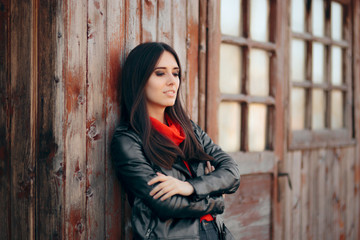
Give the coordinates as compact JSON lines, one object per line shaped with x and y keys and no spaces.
{"x":160,"y":174}
{"x":162,"y":192}
{"x":206,"y":170}
{"x":158,"y":188}
{"x":212,"y":168}
{"x":168,"y":195}
{"x":208,"y":165}
{"x":157,"y":179}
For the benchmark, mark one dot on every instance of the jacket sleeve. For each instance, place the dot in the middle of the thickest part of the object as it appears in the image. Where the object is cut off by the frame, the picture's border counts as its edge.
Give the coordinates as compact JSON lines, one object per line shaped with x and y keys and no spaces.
{"x":135,"y":171}
{"x":225,"y":178}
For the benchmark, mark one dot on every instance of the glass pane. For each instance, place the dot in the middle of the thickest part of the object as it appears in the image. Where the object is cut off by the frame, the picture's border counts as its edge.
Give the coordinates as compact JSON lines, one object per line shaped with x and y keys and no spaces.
{"x":297,"y":60}
{"x":318,"y":109}
{"x":257,"y":127}
{"x":259,"y":15}
{"x":337,"y":109}
{"x":229,"y":126}
{"x":230,"y":17}
{"x":318,"y":62}
{"x":336,"y":20}
{"x":259,"y":73}
{"x":297,"y":109}
{"x":336,"y":66}
{"x":298,"y":15}
{"x":230,"y":68}
{"x":318,"y":17}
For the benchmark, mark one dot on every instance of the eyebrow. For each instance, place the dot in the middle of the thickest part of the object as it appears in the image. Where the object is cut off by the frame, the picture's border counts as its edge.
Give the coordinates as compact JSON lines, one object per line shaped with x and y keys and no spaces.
{"x":165,"y":68}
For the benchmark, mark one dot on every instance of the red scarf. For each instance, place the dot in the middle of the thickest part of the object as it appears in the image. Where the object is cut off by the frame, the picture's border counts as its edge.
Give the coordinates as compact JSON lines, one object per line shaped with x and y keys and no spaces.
{"x":176,"y":134}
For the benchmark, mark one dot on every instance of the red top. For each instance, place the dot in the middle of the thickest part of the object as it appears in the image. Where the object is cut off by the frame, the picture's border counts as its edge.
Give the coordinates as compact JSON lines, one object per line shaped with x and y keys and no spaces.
{"x":176,"y":134}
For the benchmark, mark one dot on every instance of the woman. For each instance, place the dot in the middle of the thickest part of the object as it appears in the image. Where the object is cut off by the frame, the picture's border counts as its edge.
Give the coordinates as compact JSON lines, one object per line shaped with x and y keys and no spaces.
{"x":172,"y":171}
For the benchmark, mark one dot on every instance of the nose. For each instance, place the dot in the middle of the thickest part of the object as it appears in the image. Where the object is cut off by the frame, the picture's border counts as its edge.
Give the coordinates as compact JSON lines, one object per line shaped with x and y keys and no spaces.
{"x":171,"y":79}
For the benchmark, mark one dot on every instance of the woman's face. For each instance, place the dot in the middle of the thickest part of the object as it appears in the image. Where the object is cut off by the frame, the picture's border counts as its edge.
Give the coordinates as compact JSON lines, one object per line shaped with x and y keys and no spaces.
{"x":161,"y":88}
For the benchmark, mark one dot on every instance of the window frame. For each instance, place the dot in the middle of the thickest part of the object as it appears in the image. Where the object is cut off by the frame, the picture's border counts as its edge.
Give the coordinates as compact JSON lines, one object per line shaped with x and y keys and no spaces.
{"x":214,"y":97}
{"x":309,"y":138}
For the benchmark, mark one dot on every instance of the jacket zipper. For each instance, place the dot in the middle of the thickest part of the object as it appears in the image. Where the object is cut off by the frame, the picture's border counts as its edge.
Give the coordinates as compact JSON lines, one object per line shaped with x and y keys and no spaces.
{"x":148,"y":232}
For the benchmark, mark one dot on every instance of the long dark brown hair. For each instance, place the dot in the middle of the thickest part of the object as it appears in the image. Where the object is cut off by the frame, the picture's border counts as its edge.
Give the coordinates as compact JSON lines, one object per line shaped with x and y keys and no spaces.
{"x":138,"y":67}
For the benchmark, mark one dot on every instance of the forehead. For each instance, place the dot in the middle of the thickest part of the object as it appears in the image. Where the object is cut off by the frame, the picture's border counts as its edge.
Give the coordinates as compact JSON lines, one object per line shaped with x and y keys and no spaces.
{"x":167,"y":60}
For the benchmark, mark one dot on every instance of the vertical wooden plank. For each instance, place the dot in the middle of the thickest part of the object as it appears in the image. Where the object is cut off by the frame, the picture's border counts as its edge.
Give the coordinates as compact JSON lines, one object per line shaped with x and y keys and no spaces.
{"x":350,"y":204}
{"x":321,"y":194}
{"x":59,"y":161}
{"x":336,"y":195}
{"x":179,"y":42}
{"x":192,"y":42}
{"x":5,"y":116}
{"x":356,"y":89}
{"x":22,"y":152}
{"x":213,"y":50}
{"x":115,"y":56}
{"x":288,"y":199}
{"x":342,"y":191}
{"x":132,"y":24}
{"x":132,"y":39}
{"x":95,"y":119}
{"x":202,"y":63}
{"x":304,"y":231}
{"x":296,"y":195}
{"x":328,"y":191}
{"x":149,"y":20}
{"x":313,"y":188}
{"x":75,"y":118}
{"x":49,"y":198}
{"x":164,"y":22}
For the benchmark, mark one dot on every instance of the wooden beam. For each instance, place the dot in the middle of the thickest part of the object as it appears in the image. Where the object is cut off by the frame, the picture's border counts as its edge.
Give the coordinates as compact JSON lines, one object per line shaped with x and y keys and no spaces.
{"x":49,"y":170}
{"x":213,"y":53}
{"x":248,"y":99}
{"x":22,"y":126}
{"x":5,"y":119}
{"x":242,"y":41}
{"x":356,"y":89}
{"x":75,"y":68}
{"x":96,"y":119}
{"x":115,"y":55}
{"x":192,"y":59}
{"x":202,"y":62}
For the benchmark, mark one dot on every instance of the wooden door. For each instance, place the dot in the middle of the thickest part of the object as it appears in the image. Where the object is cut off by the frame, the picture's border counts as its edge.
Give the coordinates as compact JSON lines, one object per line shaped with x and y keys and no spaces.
{"x":245,"y":107}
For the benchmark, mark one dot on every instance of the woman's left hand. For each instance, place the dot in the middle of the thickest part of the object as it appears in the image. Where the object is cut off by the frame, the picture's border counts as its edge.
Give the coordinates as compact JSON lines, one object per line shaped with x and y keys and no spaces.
{"x":169,"y":186}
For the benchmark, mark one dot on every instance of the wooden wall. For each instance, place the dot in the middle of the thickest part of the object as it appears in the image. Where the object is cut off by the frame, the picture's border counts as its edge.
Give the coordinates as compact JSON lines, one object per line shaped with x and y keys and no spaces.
{"x":59,"y":68}
{"x":322,"y":203}
{"x":59,"y":71}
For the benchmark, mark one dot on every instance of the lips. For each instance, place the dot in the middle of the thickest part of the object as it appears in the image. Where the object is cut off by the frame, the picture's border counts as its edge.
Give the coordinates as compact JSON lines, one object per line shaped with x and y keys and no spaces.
{"x":170,"y":93}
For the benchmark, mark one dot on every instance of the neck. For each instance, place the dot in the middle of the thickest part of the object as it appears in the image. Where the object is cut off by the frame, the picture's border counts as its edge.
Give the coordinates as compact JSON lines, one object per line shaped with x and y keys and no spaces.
{"x":158,"y":114}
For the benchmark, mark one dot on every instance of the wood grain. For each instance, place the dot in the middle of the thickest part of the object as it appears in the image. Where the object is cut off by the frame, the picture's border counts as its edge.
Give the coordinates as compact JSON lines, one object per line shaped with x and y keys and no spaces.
{"x":22,"y":152}
{"x":96,"y":119}
{"x":248,"y":211}
{"x":75,"y":67}
{"x":5,"y":119}
{"x":115,"y":54}
{"x":192,"y":59}
{"x":49,"y":175}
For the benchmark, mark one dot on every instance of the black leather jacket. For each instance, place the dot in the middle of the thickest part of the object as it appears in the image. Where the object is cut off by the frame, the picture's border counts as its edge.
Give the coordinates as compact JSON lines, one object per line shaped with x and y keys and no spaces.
{"x":178,"y":216}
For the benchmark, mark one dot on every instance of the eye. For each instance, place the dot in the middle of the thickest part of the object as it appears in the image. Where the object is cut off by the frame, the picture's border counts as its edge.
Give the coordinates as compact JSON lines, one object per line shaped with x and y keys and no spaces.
{"x":159,"y":73}
{"x":176,"y":74}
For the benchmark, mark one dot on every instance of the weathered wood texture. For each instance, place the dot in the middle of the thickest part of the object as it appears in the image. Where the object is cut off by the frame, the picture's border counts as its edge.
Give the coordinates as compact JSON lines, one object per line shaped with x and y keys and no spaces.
{"x":248,"y":211}
{"x":49,"y":177}
{"x":22,"y":168}
{"x":321,"y":203}
{"x":60,"y":67}
{"x":356,"y":75}
{"x":5,"y":118}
